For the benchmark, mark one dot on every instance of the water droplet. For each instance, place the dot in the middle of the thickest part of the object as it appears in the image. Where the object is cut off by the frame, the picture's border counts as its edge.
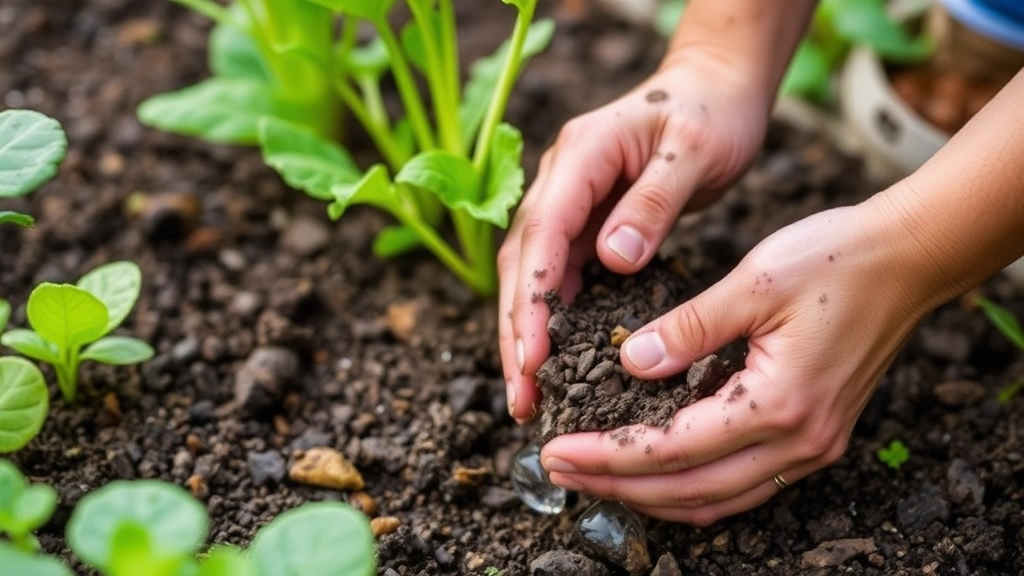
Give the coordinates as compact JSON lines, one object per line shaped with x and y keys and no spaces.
{"x":530,"y":481}
{"x":615,"y":533}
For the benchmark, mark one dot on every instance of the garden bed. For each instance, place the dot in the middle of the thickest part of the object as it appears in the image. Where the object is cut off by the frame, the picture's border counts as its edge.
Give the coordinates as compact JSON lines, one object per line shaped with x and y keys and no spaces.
{"x":395,"y":363}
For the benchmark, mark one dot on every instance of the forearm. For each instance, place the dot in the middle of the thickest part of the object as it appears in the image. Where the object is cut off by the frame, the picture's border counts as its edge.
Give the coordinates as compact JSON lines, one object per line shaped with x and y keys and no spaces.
{"x":754,"y":38}
{"x":963,"y":211}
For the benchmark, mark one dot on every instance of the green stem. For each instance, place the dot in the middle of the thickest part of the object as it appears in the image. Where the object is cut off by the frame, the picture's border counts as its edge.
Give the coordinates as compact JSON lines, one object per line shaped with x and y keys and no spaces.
{"x":211,"y":10}
{"x":450,"y":58}
{"x":381,"y":135}
{"x":445,"y":117}
{"x":480,"y":283}
{"x":509,"y":72}
{"x":67,"y":375}
{"x":407,"y":88}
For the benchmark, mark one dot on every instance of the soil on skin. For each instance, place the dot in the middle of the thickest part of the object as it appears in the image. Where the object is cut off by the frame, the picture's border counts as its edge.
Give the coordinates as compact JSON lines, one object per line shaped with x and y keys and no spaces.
{"x":395,"y":364}
{"x":584,"y":386}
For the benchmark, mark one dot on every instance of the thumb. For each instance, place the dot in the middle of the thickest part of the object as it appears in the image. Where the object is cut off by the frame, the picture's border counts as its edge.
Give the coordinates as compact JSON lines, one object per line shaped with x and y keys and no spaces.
{"x":693,"y":330}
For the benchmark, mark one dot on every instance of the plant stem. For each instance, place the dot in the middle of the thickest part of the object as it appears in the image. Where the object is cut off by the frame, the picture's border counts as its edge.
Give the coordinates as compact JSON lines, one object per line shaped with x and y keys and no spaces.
{"x":445,"y":116}
{"x":211,"y":10}
{"x":450,"y":60}
{"x":381,"y":135}
{"x":407,"y":88}
{"x":67,"y":375}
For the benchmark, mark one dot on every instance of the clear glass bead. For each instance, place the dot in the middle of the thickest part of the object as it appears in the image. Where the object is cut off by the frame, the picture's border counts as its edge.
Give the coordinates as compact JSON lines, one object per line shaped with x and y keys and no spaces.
{"x":530,"y":481}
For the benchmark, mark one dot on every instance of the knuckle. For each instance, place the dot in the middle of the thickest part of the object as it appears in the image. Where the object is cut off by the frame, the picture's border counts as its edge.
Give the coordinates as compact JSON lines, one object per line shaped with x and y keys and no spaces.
{"x":672,"y":459}
{"x":692,"y":130}
{"x":574,"y":130}
{"x":822,"y":444}
{"x":690,"y":327}
{"x":690,"y":497}
{"x":654,"y":203}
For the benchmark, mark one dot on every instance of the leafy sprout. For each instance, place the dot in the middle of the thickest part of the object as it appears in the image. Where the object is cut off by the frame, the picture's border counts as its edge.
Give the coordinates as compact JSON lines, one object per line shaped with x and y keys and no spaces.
{"x":32,"y":146}
{"x":1008,"y":326}
{"x":894,"y":455}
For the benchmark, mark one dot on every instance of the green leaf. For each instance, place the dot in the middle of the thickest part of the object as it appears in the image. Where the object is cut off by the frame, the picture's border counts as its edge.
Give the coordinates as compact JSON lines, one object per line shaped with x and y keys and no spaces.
{"x":36,"y":506}
{"x":485,"y":72}
{"x":21,"y":563}
{"x":869,"y":22}
{"x":24,"y":507}
{"x":521,"y":4}
{"x":505,"y":177}
{"x":32,"y":146}
{"x":372,"y":10}
{"x":23,"y":220}
{"x":809,"y":74}
{"x":368,"y":61}
{"x":175,"y":522}
{"x":224,"y":110}
{"x":304,"y":160}
{"x":319,"y":539}
{"x":373,"y":188}
{"x":133,"y":552}
{"x":894,"y":455}
{"x":117,"y":286}
{"x":28,"y":343}
{"x":24,"y":402}
{"x":667,"y":18}
{"x":226,"y":561}
{"x":233,"y":54}
{"x":395,"y":240}
{"x":5,"y":314}
{"x":451,"y":177}
{"x":1002,"y":320}
{"x":66,"y":315}
{"x":118,"y":350}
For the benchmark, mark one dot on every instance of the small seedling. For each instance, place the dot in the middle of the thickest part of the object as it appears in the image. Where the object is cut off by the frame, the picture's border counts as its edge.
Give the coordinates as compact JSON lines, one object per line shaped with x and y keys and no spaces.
{"x":155,"y":528}
{"x":24,"y":403}
{"x":285,"y":71}
{"x":32,"y":145}
{"x":894,"y":455}
{"x":1004,"y":321}
{"x":24,"y":507}
{"x":71,"y":323}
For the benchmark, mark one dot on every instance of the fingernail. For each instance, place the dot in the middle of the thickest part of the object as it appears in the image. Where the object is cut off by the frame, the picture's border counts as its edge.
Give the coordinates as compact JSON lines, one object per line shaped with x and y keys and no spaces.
{"x":510,"y":396}
{"x":521,"y":354}
{"x":627,"y":242}
{"x":645,"y":350}
{"x":554,"y":464}
{"x":567,"y":482}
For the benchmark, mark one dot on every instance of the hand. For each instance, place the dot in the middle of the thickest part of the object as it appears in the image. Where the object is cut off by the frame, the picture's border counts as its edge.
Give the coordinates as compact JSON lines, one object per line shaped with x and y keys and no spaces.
{"x":613,"y":184}
{"x":825,"y":303}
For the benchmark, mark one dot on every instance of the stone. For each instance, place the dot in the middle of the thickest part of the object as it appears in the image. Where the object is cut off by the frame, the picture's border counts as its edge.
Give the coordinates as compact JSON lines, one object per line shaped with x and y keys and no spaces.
{"x":566,"y":563}
{"x":837,"y":552}
{"x":610,"y":531}
{"x":260,"y":382}
{"x":326,"y":467}
{"x":267,"y":468}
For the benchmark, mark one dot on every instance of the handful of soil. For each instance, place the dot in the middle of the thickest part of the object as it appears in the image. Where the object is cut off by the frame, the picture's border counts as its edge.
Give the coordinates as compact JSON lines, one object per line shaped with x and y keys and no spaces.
{"x":584,"y":385}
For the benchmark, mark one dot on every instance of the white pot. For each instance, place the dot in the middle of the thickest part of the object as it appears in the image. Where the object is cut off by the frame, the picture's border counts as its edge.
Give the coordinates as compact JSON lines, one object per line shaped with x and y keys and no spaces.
{"x":893,"y":138}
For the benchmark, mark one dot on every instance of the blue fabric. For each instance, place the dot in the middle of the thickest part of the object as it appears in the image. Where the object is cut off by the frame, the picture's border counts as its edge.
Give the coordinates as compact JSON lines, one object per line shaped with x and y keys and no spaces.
{"x":1010,"y":9}
{"x":1000,"y":20}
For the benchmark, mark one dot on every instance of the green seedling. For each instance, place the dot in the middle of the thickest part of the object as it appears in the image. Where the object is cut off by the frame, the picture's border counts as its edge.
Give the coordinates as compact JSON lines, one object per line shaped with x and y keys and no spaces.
{"x":894,"y":455}
{"x":72,"y":322}
{"x":283,"y":72}
{"x":22,"y":563}
{"x":32,"y":145}
{"x":24,"y":508}
{"x":155,"y":528}
{"x":1008,"y":326}
{"x":24,"y":403}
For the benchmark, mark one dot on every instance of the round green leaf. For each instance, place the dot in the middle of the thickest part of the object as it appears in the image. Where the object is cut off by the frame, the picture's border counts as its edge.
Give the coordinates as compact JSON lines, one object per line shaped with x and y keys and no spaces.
{"x":118,"y":350}
{"x":30,"y":344}
{"x":15,"y":561}
{"x":226,"y":561}
{"x":24,"y":402}
{"x":32,"y":146}
{"x":320,"y":539}
{"x":176,"y":523}
{"x":117,"y":285}
{"x":66,"y":315}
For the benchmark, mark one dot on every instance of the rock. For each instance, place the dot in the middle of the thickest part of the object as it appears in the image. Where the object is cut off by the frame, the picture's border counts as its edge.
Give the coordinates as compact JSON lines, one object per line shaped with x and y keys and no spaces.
{"x":326,"y":467}
{"x":837,"y":552}
{"x":666,"y":566}
{"x":498,"y":498}
{"x":610,"y":531}
{"x":363,"y":502}
{"x":384,"y":525}
{"x":923,"y":508}
{"x":958,"y":393}
{"x":260,"y":382}
{"x":165,"y":216}
{"x":402,"y":318}
{"x":305,"y":236}
{"x":963,"y":485}
{"x":466,"y":392}
{"x":267,"y":468}
{"x":566,"y":563}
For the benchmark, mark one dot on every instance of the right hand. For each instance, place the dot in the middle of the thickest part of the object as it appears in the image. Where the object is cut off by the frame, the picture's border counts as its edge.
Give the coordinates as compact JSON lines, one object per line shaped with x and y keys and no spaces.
{"x":613,"y":185}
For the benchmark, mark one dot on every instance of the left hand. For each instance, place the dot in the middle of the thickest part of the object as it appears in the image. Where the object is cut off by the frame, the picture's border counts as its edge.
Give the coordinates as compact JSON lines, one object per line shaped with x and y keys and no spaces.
{"x":826,"y":303}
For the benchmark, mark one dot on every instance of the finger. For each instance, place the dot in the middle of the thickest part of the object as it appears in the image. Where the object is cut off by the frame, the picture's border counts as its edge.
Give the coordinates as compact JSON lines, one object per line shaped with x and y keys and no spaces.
{"x":700,"y":326}
{"x":716,"y":481}
{"x":707,"y":515}
{"x":584,"y":167}
{"x":647,"y":211}
{"x":747,"y":410}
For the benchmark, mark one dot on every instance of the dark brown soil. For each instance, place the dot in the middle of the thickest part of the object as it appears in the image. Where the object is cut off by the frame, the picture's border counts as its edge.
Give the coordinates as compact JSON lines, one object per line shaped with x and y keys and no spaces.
{"x":584,"y":384}
{"x":395,"y":364}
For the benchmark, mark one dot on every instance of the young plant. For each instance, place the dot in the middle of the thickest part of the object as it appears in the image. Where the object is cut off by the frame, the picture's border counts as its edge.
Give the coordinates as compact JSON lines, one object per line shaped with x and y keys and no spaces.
{"x":1008,"y":326}
{"x":446,"y":158}
{"x":155,"y":528}
{"x":24,"y":507}
{"x":71,"y":323}
{"x":24,"y":402}
{"x":32,"y":145}
{"x":894,"y":455}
